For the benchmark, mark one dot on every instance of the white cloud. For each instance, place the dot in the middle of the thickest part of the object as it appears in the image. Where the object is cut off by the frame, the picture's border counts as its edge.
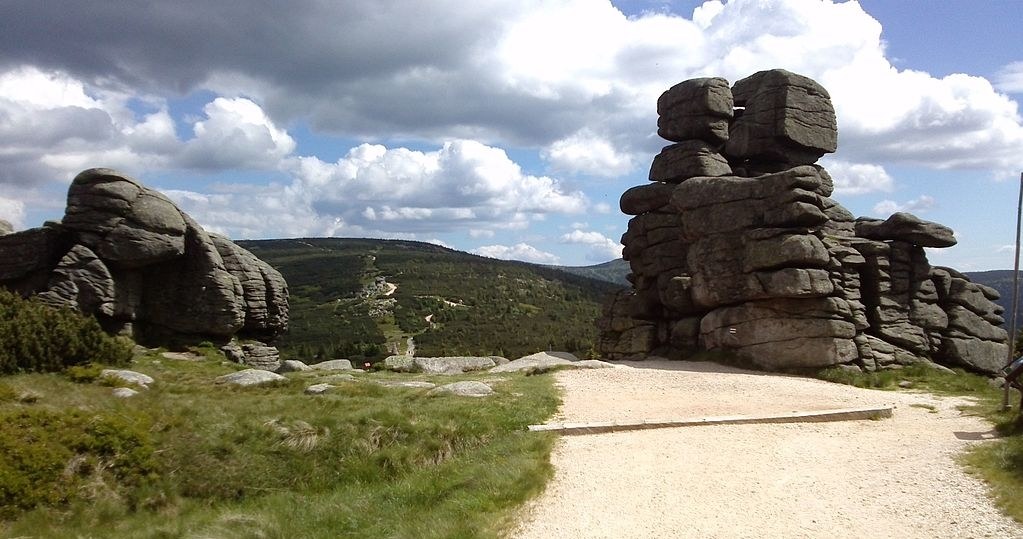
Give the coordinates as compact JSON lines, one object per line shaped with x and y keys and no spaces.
{"x":1010,"y":78}
{"x":12,"y":211}
{"x":236,"y":133}
{"x":857,"y":178}
{"x":519,"y":251}
{"x":480,"y":233}
{"x":921,"y":204}
{"x":587,"y":153}
{"x":463,"y":184}
{"x":602,"y":248}
{"x":602,"y":207}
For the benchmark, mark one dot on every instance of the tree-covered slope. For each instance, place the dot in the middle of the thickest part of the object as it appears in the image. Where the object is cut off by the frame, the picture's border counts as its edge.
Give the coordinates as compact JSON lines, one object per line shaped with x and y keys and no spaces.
{"x":362,"y":297}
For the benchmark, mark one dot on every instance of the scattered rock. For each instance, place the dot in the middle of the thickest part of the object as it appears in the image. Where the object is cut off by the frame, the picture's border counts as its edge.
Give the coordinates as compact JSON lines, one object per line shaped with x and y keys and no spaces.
{"x":128,"y":377}
{"x":905,"y":384}
{"x":408,"y":383}
{"x":124,"y":392}
{"x":333,"y":365}
{"x":339,"y":378}
{"x":293,"y":365}
{"x":250,"y":377}
{"x":464,"y":389}
{"x":319,"y":389}
{"x":452,"y":365}
{"x":399,"y":363}
{"x":537,"y":360}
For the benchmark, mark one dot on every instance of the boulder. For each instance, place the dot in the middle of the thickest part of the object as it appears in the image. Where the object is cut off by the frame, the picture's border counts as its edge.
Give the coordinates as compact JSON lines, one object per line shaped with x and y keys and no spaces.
{"x":645,"y":198}
{"x":127,"y":377}
{"x":293,"y":365}
{"x":261,"y":356}
{"x":81,"y":281}
{"x":452,"y":365}
{"x":463,"y":389}
{"x":319,"y":389}
{"x":250,"y":377}
{"x":908,"y":228}
{"x":695,"y":109}
{"x":538,"y":360}
{"x":124,"y":392}
{"x":332,"y":365}
{"x":785,"y":118}
{"x":688,"y":159}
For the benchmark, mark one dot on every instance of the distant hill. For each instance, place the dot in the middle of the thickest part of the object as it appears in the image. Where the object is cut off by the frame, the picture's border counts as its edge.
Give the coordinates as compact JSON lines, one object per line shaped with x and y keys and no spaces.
{"x":612,"y":272}
{"x":363,"y":297}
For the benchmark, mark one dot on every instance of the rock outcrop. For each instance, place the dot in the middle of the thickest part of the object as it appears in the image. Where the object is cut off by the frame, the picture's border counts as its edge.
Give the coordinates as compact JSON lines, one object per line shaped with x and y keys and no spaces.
{"x":735,"y":245}
{"x":129,"y":256}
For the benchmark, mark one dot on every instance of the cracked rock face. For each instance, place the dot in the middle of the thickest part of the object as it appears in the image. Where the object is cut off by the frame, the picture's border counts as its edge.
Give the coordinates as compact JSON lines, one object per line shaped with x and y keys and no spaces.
{"x":736,"y":245}
{"x":126,"y":254}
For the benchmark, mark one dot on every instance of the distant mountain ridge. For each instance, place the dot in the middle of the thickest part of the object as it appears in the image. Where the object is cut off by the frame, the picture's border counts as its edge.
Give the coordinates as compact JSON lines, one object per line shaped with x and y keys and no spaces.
{"x":354,"y":297}
{"x":612,"y":272}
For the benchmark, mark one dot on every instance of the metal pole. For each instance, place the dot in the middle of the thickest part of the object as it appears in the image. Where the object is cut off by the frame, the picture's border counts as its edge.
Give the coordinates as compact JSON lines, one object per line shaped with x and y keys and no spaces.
{"x":1015,"y":297}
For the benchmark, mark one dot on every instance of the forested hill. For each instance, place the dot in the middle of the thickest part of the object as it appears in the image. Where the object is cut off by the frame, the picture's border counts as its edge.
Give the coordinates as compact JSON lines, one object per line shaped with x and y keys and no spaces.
{"x":354,"y":298}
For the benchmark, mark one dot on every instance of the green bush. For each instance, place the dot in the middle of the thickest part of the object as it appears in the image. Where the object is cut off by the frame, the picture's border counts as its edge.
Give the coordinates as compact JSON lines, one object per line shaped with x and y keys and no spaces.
{"x":52,"y":458}
{"x":38,"y":338}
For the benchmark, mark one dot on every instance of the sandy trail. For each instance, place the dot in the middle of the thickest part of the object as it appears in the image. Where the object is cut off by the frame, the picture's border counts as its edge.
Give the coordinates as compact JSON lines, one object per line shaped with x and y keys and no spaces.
{"x":889,"y":478}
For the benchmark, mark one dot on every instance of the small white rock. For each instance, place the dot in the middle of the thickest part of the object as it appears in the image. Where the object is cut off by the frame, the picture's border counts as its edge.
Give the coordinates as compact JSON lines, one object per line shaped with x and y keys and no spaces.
{"x":128,"y":377}
{"x":124,"y":392}
{"x":318,"y":389}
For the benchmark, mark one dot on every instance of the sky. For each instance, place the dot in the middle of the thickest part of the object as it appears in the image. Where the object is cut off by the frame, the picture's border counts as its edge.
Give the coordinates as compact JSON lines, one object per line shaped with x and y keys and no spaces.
{"x":506,"y":128}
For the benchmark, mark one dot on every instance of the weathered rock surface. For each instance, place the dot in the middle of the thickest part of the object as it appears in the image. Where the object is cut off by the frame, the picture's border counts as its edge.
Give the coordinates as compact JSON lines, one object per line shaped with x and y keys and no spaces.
{"x":128,"y":377}
{"x":319,"y":389}
{"x":757,"y":260}
{"x":544,"y":360}
{"x":124,"y":392}
{"x":293,"y":365}
{"x":464,"y":389}
{"x":126,"y":254}
{"x":441,"y":365}
{"x":332,"y":365}
{"x":5,"y":227}
{"x":250,"y":377}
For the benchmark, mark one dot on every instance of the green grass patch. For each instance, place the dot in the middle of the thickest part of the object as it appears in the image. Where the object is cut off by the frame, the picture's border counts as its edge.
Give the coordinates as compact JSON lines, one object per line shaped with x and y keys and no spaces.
{"x":192,"y":458}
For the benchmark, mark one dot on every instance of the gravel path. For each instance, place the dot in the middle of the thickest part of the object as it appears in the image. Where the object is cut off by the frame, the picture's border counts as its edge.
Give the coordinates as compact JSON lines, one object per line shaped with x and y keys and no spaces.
{"x":889,"y":478}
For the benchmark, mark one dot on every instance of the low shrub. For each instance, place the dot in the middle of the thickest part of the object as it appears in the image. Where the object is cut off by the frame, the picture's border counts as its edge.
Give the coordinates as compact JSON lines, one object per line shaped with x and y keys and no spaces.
{"x":38,"y":338}
{"x":52,"y":458}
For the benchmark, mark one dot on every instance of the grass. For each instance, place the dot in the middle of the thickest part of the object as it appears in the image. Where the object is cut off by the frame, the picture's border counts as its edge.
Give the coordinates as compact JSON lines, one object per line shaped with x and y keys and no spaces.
{"x":197,"y":459}
{"x":999,"y":462}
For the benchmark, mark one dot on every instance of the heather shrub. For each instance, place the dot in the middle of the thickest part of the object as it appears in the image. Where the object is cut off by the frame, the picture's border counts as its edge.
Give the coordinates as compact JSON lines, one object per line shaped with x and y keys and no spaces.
{"x":38,"y":338}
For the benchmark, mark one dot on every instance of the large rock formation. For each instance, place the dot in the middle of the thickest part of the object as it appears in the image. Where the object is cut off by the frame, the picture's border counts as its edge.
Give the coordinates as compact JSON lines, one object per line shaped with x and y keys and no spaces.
{"x":736,"y":245}
{"x":129,"y":256}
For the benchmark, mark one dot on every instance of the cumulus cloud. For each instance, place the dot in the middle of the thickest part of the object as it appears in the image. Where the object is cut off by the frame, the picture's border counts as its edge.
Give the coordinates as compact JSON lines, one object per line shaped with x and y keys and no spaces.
{"x":12,"y":211}
{"x":462,"y":184}
{"x":857,"y":178}
{"x":602,"y":248}
{"x":918,"y":205}
{"x":236,"y":133}
{"x":587,"y":153}
{"x":575,"y":77}
{"x":1010,"y":78}
{"x":519,"y":251}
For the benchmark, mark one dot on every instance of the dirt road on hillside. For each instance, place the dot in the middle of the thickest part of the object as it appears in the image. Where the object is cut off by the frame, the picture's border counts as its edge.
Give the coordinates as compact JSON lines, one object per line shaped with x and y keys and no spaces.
{"x":888,"y":478}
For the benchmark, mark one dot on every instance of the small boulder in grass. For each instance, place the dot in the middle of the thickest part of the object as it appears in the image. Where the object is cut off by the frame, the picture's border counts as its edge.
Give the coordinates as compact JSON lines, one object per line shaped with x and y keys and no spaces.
{"x":127,"y":377}
{"x":463,"y":389}
{"x":250,"y":377}
{"x":125,"y":392}
{"x":319,"y":389}
{"x":293,"y":365}
{"x":333,"y":365}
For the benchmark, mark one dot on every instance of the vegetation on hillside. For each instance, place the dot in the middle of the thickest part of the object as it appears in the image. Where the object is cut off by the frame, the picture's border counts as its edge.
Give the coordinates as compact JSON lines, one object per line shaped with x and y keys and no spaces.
{"x":38,"y":338}
{"x":449,"y":302}
{"x":191,"y":458}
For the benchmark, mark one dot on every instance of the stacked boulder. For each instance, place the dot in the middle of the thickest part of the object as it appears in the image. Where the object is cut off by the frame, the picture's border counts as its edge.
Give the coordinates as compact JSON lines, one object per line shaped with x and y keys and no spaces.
{"x":144,"y":268}
{"x":736,"y":246}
